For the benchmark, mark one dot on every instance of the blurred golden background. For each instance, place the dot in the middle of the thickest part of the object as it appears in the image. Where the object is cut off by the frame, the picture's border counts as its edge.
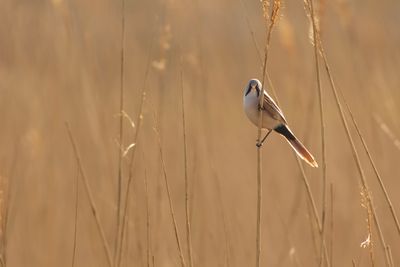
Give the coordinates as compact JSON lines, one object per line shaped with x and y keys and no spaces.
{"x":60,"y":62}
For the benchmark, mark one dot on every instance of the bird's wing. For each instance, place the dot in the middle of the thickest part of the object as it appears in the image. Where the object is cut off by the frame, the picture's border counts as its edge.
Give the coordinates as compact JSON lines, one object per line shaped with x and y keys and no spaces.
{"x":272,"y":109}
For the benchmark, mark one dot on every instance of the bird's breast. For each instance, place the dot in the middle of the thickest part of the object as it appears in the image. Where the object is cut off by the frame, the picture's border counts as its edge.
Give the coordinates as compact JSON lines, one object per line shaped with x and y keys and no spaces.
{"x":250,"y":104}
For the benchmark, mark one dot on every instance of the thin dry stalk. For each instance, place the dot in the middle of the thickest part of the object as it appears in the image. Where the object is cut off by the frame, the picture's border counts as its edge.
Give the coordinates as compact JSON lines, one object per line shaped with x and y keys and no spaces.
{"x":226,"y":233}
{"x":148,"y":225}
{"x":304,"y":176}
{"x":187,"y":211}
{"x":124,"y":241}
{"x":368,"y":243}
{"x":91,"y":199}
{"x":354,"y":151}
{"x":378,"y":176}
{"x":224,"y":220}
{"x":331,"y":228}
{"x":310,"y":195}
{"x":322,"y":122}
{"x":121,"y":129}
{"x":139,"y":120}
{"x":371,"y":246}
{"x":350,"y":139}
{"x":312,"y":227}
{"x":124,"y":217}
{"x":171,"y":207}
{"x":380,"y":233}
{"x":253,"y":37}
{"x":252,"y":33}
{"x":272,"y":21}
{"x":4,"y":208}
{"x":76,"y":217}
{"x":388,"y":132}
{"x":259,"y":181}
{"x":217,"y":180}
{"x":299,"y":164}
{"x":313,"y":206}
{"x":390,"y":256}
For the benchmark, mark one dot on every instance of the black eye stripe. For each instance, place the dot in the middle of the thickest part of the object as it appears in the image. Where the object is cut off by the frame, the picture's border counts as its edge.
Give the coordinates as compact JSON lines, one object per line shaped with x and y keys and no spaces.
{"x":248,"y":90}
{"x":258,"y":90}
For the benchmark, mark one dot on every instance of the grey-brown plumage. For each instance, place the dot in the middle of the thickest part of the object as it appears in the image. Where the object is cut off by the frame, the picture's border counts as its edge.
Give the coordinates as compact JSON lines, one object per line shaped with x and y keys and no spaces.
{"x":273,"y":118}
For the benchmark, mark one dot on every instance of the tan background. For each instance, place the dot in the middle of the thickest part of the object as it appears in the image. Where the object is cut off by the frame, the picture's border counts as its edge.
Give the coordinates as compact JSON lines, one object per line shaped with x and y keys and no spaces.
{"x":60,"y":62}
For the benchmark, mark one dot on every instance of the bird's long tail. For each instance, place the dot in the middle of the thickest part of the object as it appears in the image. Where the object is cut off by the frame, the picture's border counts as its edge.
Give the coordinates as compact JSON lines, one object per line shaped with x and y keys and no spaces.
{"x":296,"y":145}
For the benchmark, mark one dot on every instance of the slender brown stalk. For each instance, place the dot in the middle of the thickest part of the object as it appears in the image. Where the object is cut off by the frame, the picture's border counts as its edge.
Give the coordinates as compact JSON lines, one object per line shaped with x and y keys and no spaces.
{"x":124,"y":245}
{"x":313,"y":206}
{"x":121,"y":129}
{"x":252,"y":33}
{"x":272,"y":21}
{"x":124,"y":217}
{"x":4,"y":209}
{"x":312,"y":231}
{"x":304,"y":176}
{"x":254,"y":39}
{"x":171,"y":207}
{"x":390,"y":256}
{"x":363,"y":180}
{"x":378,"y":176}
{"x":76,"y":217}
{"x":139,"y":121}
{"x":148,"y":225}
{"x":187,"y":211}
{"x":322,"y":122}
{"x":369,"y":242}
{"x":387,"y":131}
{"x":299,"y":164}
{"x":354,"y":151}
{"x":217,"y":180}
{"x":331,"y":224}
{"x":371,"y":246}
{"x":91,"y":199}
{"x":259,"y":191}
{"x":224,"y":222}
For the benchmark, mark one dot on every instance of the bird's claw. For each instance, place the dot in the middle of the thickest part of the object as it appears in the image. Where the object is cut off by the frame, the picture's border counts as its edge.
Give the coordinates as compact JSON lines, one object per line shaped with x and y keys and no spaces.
{"x":259,"y":144}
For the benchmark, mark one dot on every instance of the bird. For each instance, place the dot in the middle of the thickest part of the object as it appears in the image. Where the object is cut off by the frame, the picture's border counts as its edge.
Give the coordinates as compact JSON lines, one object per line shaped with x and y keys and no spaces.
{"x":272,"y":119}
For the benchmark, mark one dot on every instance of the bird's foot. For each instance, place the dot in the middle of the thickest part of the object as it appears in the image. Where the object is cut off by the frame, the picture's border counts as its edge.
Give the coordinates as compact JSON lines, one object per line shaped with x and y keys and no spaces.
{"x":259,"y":144}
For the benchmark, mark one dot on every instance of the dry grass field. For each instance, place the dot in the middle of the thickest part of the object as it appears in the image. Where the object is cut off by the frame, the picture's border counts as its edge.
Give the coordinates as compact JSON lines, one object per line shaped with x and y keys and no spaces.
{"x":75,"y":191}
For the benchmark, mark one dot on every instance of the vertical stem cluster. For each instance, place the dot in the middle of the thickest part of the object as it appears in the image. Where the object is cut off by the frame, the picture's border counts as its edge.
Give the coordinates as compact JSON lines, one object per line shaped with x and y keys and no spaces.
{"x":187,"y":211}
{"x":121,"y":131}
{"x":272,"y":21}
{"x":88,"y":191}
{"x":364,"y":183}
{"x":322,"y":122}
{"x":167,"y":187}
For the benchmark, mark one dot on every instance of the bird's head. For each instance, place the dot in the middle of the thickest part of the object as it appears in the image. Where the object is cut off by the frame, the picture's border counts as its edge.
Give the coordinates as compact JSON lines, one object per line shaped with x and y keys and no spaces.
{"x":253,"y":85}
